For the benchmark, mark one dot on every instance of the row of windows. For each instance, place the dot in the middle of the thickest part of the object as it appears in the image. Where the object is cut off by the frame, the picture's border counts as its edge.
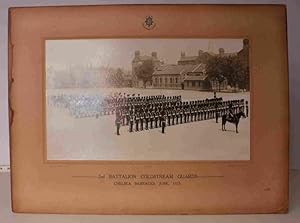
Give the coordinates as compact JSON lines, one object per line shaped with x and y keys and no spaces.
{"x":171,"y":80}
{"x":194,"y":84}
{"x":166,"y":85}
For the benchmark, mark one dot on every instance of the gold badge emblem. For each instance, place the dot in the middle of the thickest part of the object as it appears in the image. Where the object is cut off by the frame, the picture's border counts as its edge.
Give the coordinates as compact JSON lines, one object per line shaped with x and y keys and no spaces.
{"x":149,"y":23}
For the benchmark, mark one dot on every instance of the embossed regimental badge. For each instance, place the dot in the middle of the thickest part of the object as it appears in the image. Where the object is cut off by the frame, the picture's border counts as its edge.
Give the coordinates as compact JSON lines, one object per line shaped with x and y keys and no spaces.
{"x":149,"y":23}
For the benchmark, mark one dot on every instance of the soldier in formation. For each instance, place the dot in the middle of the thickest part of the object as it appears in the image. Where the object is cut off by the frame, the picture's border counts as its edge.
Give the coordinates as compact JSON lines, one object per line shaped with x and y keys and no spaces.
{"x":247,"y":109}
{"x":142,"y":113}
{"x":162,"y":111}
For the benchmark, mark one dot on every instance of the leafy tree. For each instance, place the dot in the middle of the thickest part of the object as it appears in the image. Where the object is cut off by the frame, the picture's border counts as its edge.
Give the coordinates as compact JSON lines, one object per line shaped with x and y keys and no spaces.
{"x":144,"y":71}
{"x":230,"y":68}
{"x":115,"y":79}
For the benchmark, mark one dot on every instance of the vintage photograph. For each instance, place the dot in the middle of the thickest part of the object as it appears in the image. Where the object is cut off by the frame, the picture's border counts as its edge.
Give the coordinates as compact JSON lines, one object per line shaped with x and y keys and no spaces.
{"x":147,"y":99}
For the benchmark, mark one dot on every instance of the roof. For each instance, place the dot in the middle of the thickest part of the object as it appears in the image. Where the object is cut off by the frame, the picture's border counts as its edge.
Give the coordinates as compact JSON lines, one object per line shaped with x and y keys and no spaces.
{"x":145,"y":58}
{"x":174,"y":69}
{"x":230,"y":54}
{"x":188,"y":58}
{"x":195,"y":78}
{"x":243,"y":51}
{"x":199,"y":68}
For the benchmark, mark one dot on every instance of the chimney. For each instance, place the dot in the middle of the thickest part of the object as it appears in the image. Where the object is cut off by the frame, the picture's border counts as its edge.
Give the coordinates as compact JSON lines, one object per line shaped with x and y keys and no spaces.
{"x":137,"y":53}
{"x":221,"y":51}
{"x":200,"y":52}
{"x":245,"y":43}
{"x":154,"y":55}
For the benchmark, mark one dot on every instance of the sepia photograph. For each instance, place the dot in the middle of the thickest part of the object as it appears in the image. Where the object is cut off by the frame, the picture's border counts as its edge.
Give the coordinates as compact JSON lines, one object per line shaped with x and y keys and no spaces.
{"x":147,"y":99}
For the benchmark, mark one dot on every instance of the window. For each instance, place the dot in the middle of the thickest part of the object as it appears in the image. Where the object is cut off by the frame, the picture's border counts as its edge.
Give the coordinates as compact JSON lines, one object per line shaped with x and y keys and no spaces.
{"x":193,"y":83}
{"x":171,"y":80}
{"x":176,"y":80}
{"x":166,"y":80}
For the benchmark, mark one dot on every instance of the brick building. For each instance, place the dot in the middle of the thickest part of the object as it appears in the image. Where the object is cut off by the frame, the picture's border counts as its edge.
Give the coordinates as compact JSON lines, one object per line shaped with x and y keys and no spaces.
{"x":137,"y":61}
{"x":189,"y":72}
{"x":202,"y":57}
{"x":196,"y":78}
{"x":176,"y":76}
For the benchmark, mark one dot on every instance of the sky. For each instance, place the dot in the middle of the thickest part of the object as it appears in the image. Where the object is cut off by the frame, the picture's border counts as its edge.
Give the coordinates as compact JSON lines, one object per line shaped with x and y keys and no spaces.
{"x":118,"y":53}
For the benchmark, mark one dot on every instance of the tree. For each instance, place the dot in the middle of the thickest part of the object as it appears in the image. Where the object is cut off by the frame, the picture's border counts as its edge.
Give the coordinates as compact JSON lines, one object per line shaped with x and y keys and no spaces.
{"x":144,"y":71}
{"x":115,"y":79}
{"x":230,"y":68}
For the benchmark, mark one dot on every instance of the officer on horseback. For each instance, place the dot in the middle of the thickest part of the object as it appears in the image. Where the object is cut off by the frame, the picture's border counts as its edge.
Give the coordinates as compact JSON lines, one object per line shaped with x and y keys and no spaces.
{"x":230,"y":112}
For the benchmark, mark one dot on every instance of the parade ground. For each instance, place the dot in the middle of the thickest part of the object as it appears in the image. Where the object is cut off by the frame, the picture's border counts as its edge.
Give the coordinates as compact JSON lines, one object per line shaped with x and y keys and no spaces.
{"x":91,"y":138}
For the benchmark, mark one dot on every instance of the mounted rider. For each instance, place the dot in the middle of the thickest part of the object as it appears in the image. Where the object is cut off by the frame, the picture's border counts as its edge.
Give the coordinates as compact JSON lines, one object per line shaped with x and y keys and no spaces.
{"x":230,"y":113}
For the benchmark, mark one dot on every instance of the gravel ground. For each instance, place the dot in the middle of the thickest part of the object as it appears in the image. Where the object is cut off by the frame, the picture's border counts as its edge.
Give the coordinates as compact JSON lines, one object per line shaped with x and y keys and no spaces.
{"x":69,"y":138}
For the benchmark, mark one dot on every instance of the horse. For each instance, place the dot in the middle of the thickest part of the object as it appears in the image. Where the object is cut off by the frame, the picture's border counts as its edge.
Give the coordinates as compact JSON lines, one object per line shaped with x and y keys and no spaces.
{"x":235,"y":120}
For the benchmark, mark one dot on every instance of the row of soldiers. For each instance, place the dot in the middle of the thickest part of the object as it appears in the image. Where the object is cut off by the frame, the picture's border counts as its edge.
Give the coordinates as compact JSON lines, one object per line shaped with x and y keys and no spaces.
{"x":162,"y":114}
{"x":137,"y":103}
{"x":97,"y":105}
{"x":170,"y":103}
{"x":77,"y":105}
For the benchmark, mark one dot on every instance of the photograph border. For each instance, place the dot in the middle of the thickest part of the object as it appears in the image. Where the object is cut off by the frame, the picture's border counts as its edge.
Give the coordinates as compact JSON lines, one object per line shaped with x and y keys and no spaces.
{"x":141,"y":162}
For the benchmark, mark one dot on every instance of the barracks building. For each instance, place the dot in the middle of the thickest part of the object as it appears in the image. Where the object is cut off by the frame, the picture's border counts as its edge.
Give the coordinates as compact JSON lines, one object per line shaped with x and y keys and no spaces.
{"x":188,"y":76}
{"x":137,"y":61}
{"x":189,"y":72}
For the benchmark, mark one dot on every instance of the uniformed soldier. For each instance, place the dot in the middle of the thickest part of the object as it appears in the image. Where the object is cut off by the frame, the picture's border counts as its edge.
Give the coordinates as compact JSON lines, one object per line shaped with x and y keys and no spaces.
{"x":230,"y":111}
{"x":169,"y":117}
{"x":163,"y":120}
{"x":198,"y":113}
{"x":242,"y":105}
{"x":173,"y":116}
{"x":188,"y":114}
{"x":156,"y":118}
{"x":247,"y":109}
{"x":137,"y":120}
{"x":217,"y":115}
{"x":216,"y":111}
{"x":127,"y":117}
{"x":192,"y":114}
{"x":147,"y":119}
{"x":151,"y":119}
{"x":184,"y":115}
{"x":201,"y":113}
{"x":204,"y":113}
{"x":118,"y":124}
{"x":181,"y":114}
{"x":224,"y":109}
{"x":142,"y":117}
{"x":177,"y":116}
{"x":159,"y":118}
{"x":123,"y":117}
